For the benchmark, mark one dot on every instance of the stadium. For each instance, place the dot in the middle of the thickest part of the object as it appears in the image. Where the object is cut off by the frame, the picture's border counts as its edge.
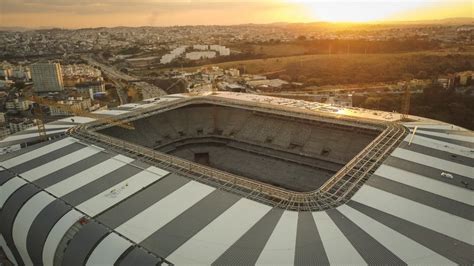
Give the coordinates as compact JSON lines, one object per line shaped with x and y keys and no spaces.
{"x":230,"y":178}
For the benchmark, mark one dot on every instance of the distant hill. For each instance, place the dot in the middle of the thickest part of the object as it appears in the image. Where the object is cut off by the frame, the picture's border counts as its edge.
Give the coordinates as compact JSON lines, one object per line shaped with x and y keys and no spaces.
{"x":449,"y":21}
{"x":461,"y":20}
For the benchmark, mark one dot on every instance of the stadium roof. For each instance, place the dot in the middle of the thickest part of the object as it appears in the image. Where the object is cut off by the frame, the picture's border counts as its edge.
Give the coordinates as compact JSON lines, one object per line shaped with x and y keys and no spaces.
{"x":417,"y":208}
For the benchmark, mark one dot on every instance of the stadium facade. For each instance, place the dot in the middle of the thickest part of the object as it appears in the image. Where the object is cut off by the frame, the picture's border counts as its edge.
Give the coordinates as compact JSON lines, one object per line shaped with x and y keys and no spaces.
{"x":97,"y":193}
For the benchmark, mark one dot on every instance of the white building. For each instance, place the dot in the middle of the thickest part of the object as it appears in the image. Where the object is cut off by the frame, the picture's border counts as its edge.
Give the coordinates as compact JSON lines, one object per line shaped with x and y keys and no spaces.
{"x":17,"y":105}
{"x":233,"y":72}
{"x":70,"y":106}
{"x":175,"y":53}
{"x":201,"y":47}
{"x":222,"y":50}
{"x":200,"y":55}
{"x":47,"y":77}
{"x":20,"y":125}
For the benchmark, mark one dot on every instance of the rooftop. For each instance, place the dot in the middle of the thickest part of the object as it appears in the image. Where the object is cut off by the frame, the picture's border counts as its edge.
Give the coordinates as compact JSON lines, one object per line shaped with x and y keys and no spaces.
{"x":74,"y":194}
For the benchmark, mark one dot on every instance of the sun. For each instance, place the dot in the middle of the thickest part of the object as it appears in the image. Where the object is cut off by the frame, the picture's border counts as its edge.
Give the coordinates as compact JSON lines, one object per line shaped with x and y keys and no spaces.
{"x":355,"y":11}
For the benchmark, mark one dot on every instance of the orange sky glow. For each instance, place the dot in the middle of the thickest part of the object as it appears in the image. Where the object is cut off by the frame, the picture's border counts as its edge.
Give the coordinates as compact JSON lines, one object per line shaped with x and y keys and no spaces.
{"x":90,"y":13}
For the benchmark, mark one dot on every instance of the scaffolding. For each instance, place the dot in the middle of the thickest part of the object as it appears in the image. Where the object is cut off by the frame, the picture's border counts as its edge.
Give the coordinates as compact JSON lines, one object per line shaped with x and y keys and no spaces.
{"x":336,"y":191}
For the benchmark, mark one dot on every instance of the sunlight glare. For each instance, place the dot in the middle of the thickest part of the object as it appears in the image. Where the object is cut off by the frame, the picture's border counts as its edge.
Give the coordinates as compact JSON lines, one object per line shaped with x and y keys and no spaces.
{"x":356,"y":11}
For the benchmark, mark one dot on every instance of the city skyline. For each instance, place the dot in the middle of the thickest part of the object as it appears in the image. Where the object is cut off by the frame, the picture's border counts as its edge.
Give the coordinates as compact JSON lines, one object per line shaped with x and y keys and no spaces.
{"x":111,"y":13}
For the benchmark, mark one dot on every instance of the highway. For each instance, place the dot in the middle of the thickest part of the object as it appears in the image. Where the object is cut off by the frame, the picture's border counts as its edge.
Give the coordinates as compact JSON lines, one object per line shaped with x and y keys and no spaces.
{"x":121,"y":80}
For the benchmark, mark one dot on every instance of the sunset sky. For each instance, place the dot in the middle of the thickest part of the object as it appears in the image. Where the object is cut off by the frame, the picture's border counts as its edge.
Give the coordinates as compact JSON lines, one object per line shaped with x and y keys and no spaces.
{"x":92,"y":13}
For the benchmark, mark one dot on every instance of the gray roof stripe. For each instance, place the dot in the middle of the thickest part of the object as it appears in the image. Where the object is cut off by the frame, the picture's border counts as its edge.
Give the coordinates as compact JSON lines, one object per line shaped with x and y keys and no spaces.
{"x":83,"y":243}
{"x":309,"y":247}
{"x":424,"y":197}
{"x":66,"y":123}
{"x":247,"y":249}
{"x":368,"y":247}
{"x":41,"y":227}
{"x":438,"y":153}
{"x":46,"y":158}
{"x":71,"y":170}
{"x":137,"y":256}
{"x":430,"y":172}
{"x":135,"y":204}
{"x":171,"y":236}
{"x":448,"y":140}
{"x":103,"y":183}
{"x":446,"y":246}
{"x":9,"y":212}
{"x":5,"y":175}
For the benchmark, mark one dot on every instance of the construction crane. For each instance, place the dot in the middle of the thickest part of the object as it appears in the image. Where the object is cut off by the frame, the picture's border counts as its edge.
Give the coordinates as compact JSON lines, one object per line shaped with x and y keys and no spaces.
{"x":405,"y":103}
{"x":39,"y":117}
{"x":78,"y":112}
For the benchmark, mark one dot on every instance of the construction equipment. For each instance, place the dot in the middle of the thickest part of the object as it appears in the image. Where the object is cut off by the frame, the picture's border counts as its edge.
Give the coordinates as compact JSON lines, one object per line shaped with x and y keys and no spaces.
{"x":75,"y":111}
{"x":405,"y":103}
{"x":39,"y":117}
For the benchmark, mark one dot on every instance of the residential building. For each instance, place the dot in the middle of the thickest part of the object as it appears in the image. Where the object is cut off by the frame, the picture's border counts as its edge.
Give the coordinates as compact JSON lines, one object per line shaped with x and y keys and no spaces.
{"x":75,"y":105}
{"x":47,"y":77}
{"x":18,"y":125}
{"x":4,"y":132}
{"x":17,"y":105}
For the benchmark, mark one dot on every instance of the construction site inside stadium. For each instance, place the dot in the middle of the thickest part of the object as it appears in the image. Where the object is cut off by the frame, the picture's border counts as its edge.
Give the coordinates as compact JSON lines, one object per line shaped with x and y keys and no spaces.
{"x":292,"y":159}
{"x":238,"y":179}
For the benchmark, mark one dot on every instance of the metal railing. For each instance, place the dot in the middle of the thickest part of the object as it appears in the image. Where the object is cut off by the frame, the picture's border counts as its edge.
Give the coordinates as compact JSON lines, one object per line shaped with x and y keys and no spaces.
{"x":336,"y":191}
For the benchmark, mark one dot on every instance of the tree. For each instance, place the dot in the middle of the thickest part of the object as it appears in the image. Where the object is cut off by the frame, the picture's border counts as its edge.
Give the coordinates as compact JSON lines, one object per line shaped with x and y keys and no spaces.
{"x":301,"y":38}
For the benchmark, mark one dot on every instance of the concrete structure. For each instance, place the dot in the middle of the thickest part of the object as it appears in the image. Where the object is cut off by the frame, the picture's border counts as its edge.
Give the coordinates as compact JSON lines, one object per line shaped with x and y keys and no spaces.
{"x":95,"y":86}
{"x":17,"y":125}
{"x":77,"y":104}
{"x":17,"y":105}
{"x":4,"y":132}
{"x":201,"y":47}
{"x":200,"y":55}
{"x":47,"y":77}
{"x":85,"y":199}
{"x":175,"y":53}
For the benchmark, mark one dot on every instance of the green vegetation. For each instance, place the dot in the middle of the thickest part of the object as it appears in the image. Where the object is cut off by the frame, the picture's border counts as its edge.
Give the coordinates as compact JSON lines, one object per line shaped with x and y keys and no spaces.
{"x":355,"y":68}
{"x":435,"y":102}
{"x":306,"y":47}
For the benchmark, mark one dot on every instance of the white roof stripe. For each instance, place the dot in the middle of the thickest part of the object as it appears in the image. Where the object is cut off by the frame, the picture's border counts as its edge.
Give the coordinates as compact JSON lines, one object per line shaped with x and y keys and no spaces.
{"x":57,"y":233}
{"x":30,"y":135}
{"x":85,"y":177}
{"x":434,"y":162}
{"x":119,"y":192}
{"x":108,"y":250}
{"x":280,"y":247}
{"x":338,"y":248}
{"x":8,"y":188}
{"x":447,"y":135}
{"x":154,"y":217}
{"x":24,"y":220}
{"x":214,"y":239}
{"x":406,"y":249}
{"x":435,"y":126}
{"x":36,"y":153}
{"x":53,"y":166}
{"x":434,"y":219}
{"x":427,"y":184}
{"x":158,"y":171}
{"x":441,"y":145}
{"x":77,"y":119}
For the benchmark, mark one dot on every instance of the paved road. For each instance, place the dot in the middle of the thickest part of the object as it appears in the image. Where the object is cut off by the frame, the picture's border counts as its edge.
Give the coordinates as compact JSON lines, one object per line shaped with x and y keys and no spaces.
{"x":147,"y":90}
